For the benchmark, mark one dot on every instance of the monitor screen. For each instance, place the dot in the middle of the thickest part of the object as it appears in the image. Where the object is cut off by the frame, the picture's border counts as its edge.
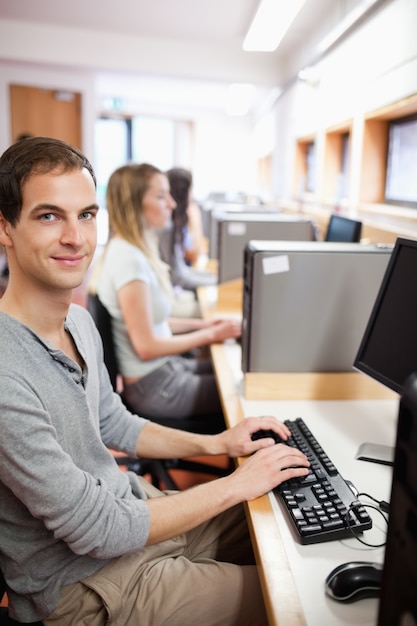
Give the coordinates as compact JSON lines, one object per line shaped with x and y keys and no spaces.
{"x":388,"y":351}
{"x":343,"y":229}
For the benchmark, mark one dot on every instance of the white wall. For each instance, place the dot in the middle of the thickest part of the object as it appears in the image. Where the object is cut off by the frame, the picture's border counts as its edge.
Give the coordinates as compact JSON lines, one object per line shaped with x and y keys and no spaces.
{"x":223,"y":155}
{"x":374,"y":67}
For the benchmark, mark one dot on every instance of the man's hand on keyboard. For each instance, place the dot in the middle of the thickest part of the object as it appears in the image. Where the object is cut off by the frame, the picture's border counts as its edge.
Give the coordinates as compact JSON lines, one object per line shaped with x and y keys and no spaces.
{"x":267,"y":465}
{"x":267,"y":468}
{"x":250,"y":435}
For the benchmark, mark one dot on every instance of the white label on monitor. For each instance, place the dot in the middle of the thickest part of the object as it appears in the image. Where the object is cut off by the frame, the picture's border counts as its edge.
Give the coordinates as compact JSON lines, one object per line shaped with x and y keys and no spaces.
{"x":236,"y":228}
{"x":276,"y":264}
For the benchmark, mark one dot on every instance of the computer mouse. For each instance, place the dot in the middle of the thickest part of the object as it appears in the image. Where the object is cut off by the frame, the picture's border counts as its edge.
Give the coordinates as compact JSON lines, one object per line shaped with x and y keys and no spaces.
{"x":264,"y":433}
{"x":354,"y":581}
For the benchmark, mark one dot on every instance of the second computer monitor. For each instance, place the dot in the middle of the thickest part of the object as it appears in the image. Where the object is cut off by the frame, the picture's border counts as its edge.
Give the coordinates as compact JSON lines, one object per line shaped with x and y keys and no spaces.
{"x":388,"y":350}
{"x":343,"y":229}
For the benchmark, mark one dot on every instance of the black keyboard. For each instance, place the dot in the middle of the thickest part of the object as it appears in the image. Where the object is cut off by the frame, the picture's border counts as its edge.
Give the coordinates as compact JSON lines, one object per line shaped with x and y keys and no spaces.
{"x":321,"y":506}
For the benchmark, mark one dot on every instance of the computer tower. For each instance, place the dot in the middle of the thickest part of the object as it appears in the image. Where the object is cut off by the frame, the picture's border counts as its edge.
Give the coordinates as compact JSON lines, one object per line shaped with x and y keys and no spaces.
{"x":235,"y":230}
{"x":306,"y":304}
{"x":398,"y":603}
{"x":219,"y":213}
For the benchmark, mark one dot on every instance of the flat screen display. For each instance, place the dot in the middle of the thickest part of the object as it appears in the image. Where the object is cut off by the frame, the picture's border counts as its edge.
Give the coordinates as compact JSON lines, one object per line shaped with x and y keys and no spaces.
{"x":343,"y":229}
{"x":388,"y":351}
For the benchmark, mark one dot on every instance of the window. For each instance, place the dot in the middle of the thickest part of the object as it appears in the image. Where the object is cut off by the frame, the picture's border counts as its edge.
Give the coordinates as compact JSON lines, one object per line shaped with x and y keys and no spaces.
{"x":153,"y":141}
{"x":335,"y":175}
{"x":164,"y":143}
{"x":345,"y":166}
{"x":111,"y":148}
{"x":305,"y":167}
{"x":401,"y":172}
{"x":310,"y":167}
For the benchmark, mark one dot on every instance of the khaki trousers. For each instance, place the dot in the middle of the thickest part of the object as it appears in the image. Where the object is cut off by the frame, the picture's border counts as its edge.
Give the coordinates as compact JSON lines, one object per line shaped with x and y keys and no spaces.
{"x":203,"y":578}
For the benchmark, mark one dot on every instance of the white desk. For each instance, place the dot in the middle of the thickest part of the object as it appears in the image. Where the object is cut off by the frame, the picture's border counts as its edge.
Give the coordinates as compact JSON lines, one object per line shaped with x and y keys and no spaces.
{"x":340,"y":427}
{"x":292,"y":575}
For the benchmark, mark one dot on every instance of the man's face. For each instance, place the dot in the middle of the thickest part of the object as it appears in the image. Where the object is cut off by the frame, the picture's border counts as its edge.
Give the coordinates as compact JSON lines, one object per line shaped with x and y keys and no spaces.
{"x":54,"y":240}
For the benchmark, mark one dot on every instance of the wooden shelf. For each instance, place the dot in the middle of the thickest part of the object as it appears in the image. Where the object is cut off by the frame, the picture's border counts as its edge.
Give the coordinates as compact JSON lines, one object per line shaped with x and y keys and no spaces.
{"x":364,"y":196}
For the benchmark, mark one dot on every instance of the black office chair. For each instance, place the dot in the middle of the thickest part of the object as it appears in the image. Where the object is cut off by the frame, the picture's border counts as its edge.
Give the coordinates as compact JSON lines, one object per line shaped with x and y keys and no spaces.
{"x":157,"y":469}
{"x":5,"y":620}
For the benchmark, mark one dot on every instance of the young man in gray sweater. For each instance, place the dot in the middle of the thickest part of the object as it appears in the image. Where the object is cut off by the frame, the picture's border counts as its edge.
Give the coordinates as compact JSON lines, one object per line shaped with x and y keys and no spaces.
{"x":82,"y":542}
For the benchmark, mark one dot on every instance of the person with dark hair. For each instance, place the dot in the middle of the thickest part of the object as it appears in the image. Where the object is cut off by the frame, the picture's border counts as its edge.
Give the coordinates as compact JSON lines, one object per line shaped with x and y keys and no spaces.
{"x":186,"y":217}
{"x":82,"y":542}
{"x":4,"y":270}
{"x":178,"y":247}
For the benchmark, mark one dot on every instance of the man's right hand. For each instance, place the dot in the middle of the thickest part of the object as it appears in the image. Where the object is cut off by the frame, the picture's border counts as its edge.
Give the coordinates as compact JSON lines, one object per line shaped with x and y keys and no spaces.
{"x":266,"y":469}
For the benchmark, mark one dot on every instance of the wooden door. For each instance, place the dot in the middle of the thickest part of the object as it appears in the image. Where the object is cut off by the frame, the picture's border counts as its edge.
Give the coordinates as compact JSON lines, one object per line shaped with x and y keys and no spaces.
{"x":46,"y":113}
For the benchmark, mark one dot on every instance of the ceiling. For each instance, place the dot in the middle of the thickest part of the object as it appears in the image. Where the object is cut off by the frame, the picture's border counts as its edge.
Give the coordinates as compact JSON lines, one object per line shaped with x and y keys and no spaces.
{"x":220,"y":24}
{"x":188,"y":40}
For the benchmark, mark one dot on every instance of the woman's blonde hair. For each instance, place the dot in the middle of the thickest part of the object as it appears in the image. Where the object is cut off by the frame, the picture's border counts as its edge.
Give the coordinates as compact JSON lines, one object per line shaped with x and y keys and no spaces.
{"x":126,"y":189}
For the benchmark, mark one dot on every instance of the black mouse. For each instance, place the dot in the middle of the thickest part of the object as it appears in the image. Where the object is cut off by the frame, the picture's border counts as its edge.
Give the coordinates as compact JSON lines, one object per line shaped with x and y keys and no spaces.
{"x":354,"y":581}
{"x":263,"y":433}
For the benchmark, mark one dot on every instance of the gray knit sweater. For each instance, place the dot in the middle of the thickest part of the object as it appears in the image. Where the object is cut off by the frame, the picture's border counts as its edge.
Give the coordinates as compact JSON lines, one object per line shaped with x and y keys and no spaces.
{"x":66,"y":509}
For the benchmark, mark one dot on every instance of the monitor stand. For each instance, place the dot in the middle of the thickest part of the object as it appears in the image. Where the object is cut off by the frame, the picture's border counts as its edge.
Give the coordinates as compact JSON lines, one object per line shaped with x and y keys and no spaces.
{"x":376,"y":453}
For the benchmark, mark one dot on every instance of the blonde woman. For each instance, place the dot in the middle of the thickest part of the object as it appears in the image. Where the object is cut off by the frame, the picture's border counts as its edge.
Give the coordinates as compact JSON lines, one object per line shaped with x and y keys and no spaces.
{"x":134,"y":286}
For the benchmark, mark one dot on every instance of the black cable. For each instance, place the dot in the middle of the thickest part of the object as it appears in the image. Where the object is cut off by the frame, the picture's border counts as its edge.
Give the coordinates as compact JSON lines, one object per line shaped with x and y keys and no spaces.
{"x":382,"y":507}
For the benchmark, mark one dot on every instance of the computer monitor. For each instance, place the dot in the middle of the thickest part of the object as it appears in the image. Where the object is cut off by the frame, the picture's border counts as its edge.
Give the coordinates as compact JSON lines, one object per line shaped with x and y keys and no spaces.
{"x":388,"y":350}
{"x":343,"y":229}
{"x":398,"y":604}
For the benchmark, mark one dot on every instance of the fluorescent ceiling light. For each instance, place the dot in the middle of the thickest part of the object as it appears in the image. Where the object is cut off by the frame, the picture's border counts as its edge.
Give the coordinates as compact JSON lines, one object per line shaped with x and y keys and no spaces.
{"x":239,"y":98}
{"x":272,"y":20}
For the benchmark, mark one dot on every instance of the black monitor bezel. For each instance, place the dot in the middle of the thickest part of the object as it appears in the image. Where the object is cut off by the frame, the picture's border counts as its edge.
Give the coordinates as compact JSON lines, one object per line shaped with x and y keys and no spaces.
{"x":359,"y":363}
{"x":354,"y":225}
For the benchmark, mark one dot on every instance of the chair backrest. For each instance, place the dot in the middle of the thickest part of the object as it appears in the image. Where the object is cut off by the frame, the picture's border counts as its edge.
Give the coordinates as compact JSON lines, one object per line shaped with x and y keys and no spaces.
{"x":103,"y":322}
